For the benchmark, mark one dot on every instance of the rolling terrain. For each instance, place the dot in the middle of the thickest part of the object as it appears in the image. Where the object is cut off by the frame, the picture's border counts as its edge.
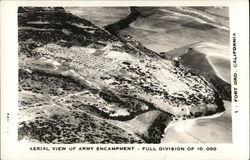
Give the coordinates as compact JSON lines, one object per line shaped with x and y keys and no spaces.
{"x":171,"y":31}
{"x":196,"y":37}
{"x":78,"y":83}
{"x":163,"y":29}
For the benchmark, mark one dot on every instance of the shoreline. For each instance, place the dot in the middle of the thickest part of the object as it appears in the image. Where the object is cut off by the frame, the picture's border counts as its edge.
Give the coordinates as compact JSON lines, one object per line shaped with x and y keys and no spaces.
{"x":102,"y":90}
{"x":174,"y":123}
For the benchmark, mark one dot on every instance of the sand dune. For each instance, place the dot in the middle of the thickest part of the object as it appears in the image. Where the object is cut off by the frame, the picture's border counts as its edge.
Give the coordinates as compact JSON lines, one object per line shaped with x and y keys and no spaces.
{"x":212,"y":49}
{"x":213,"y":59}
{"x":206,"y":57}
{"x":221,"y":67}
{"x":142,"y":122}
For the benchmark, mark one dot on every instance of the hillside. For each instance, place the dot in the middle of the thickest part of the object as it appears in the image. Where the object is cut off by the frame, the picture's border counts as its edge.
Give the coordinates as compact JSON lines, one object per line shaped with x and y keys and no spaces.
{"x":197,"y":36}
{"x":80,"y":84}
{"x":166,"y":28}
{"x":212,"y":61}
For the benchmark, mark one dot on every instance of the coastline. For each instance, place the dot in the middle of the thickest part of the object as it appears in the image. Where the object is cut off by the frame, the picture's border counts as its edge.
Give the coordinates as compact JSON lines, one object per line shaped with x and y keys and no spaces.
{"x":170,"y":88}
{"x":217,"y":119}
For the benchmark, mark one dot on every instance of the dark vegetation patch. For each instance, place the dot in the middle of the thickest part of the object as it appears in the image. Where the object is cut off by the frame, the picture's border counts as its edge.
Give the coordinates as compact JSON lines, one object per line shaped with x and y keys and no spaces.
{"x":52,"y":32}
{"x":84,"y":128}
{"x":59,"y":129}
{"x":123,"y":23}
{"x":132,"y":104}
{"x":156,"y":130}
{"x":39,"y":82}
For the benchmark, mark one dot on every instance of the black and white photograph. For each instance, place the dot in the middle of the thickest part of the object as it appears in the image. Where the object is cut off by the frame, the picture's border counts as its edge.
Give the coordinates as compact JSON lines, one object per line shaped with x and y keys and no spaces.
{"x":124,"y":79}
{"x":124,"y":75}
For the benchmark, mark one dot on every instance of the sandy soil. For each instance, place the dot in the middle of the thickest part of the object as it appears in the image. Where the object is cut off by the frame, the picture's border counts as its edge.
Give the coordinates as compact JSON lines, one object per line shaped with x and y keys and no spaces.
{"x":142,"y":122}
